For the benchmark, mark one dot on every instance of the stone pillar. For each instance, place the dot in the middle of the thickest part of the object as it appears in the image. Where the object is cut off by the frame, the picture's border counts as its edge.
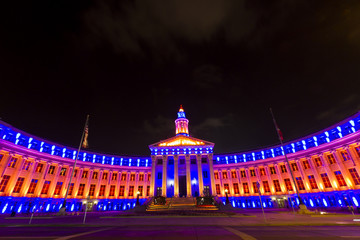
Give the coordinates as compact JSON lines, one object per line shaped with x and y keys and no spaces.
{"x":14,"y":177}
{"x":136,"y":187}
{"x":200,"y":175}
{"x":329,"y":171}
{"x":164,"y":176}
{"x":316,"y":174}
{"x":41,"y":180}
{"x":5,"y":162}
{"x":118,"y":184}
{"x":152,"y":181}
{"x":107,"y":188}
{"x":281,"y":180}
{"x":304,"y":177}
{"x":344,"y":170}
{"x":28,"y":178}
{"x":211,"y":173}
{"x":67,"y":179}
{"x":188,"y":176}
{"x":97,"y":186}
{"x":354,"y":156}
{"x":176,"y":175}
{"x":270,"y":181}
{"x":54,"y":181}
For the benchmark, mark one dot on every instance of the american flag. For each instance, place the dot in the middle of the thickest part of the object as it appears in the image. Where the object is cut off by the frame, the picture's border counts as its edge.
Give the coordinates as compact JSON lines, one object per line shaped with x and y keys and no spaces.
{"x":85,"y":143}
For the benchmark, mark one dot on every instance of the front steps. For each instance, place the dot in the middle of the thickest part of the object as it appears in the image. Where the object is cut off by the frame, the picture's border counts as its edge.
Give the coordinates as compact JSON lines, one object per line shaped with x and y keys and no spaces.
{"x":179,"y":204}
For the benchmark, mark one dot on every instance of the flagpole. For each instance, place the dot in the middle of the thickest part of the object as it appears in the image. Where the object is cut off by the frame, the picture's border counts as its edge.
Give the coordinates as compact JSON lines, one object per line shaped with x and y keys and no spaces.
{"x":287,"y":160}
{"x":63,"y":207}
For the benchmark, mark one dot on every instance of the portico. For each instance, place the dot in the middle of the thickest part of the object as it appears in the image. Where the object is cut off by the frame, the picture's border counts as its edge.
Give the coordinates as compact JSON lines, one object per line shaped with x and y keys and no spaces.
{"x":182,"y":166}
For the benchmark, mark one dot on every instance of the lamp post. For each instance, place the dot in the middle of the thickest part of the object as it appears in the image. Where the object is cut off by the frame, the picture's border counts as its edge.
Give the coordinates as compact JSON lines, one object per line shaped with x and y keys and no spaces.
{"x":227,"y":197}
{"x":137,"y":198}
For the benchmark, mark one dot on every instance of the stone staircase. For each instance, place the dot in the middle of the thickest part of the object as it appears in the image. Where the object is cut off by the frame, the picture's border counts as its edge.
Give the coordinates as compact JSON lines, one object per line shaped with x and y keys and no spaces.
{"x":179,"y":204}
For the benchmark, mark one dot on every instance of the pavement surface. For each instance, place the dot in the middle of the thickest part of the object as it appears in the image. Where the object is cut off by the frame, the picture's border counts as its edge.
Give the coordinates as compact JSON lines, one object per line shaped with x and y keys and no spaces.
{"x":247,"y":225}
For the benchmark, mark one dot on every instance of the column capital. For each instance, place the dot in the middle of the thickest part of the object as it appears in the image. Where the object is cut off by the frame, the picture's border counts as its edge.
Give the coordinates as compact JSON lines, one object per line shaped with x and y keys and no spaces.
{"x":176,"y":157}
{"x":187,"y":157}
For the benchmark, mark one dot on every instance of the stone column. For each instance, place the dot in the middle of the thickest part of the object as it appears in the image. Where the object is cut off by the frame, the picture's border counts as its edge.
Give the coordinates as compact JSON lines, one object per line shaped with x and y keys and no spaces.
{"x":353,"y":154}
{"x":77,"y":182}
{"x":54,"y":181}
{"x":211,"y":173}
{"x":15,"y":176}
{"x":152,"y":181}
{"x":97,"y":186}
{"x":344,"y":170}
{"x":176,"y":175}
{"x":304,"y":177}
{"x":270,"y":181}
{"x":28,"y":179}
{"x":200,"y":176}
{"x":164,"y":179}
{"x":281,"y":180}
{"x":118,"y":184}
{"x":316,"y":174}
{"x":5,"y":162}
{"x":42,"y":180}
{"x":136,"y":187}
{"x":107,"y":188}
{"x":329,"y":171}
{"x":67,"y":179}
{"x":188,"y":176}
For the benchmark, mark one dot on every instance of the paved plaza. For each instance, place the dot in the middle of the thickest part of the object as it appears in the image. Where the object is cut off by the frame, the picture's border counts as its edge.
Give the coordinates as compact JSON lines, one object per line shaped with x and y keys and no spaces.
{"x":248,"y":225}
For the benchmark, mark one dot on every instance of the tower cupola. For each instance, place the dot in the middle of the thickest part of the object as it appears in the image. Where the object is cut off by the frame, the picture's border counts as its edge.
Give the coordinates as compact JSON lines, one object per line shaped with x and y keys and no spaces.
{"x":181,"y":123}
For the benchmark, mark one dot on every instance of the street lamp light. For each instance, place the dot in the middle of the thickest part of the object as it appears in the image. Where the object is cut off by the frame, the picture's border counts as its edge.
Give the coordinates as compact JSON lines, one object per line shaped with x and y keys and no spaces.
{"x":137,"y":198}
{"x":227,"y":197}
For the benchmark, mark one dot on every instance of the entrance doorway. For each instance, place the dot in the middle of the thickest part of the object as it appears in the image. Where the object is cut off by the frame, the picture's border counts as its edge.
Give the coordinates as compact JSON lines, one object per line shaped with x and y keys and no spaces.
{"x":182,"y":186}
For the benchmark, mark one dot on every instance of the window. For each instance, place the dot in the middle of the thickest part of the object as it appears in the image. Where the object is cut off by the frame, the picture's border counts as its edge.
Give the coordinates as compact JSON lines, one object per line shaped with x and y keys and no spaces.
{"x":306,"y":164}
{"x":283,"y":168}
{"x":75,"y":172}
{"x":272,"y":170}
{"x":192,"y":161}
{"x":355,"y":176}
{"x":141,"y":177}
{"x":340,"y":179}
{"x":122,"y":191}
{"x":357,"y":149}
{"x":39,"y":167}
{"x":204,"y":160}
{"x":123,"y":177}
{"x":104,"y":176}
{"x":217,"y":186}
{"x":4,"y":182}
{"x":252,"y":172}
{"x":71,"y":188}
{"x":266,"y":186}
{"x":243,"y":174}
{"x":246,"y":188}
{"x":114,"y":176}
{"x":226,"y":187}
{"x":216,"y":175}
{"x":92,"y":190}
{"x":81,"y":189}
{"x":84,"y":175}
{"x":236,"y":188}
{"x":159,"y":175}
{"x":171,"y":161}
{"x":345,"y":155}
{"x":255,"y":186}
{"x":140,"y":190}
{"x":318,"y":162}
{"x":205,"y":174}
{"x":325,"y":180}
{"x":224,"y":173}
{"x":288,"y":184}
{"x":312,"y":182}
{"x":18,"y":185}
{"x":95,"y":175}
{"x":63,"y":172}
{"x":102,"y":190}
{"x":32,"y":186}
{"x":51,"y":170}
{"x":159,"y":161}
{"x":58,"y":188}
{"x":233,"y":174}
{"x":45,"y":188}
{"x":12,"y":162}
{"x":294,"y":167}
{"x":131,"y":191}
{"x":27,"y":165}
{"x":1,"y":157}
{"x":149,"y":177}
{"x":331,"y":158}
{"x":147,"y":191}
{"x":300,"y":183}
{"x":262,"y":172}
{"x":182,"y":161}
{"x":277,"y":186}
{"x":132,"y":177}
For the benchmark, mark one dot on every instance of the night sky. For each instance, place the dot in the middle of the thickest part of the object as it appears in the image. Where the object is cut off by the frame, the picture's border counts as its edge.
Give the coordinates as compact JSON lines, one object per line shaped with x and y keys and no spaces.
{"x":130,"y":64}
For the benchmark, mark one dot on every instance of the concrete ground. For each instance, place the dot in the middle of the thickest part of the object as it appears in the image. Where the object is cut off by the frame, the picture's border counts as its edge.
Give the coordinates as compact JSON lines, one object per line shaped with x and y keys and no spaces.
{"x":248,"y":225}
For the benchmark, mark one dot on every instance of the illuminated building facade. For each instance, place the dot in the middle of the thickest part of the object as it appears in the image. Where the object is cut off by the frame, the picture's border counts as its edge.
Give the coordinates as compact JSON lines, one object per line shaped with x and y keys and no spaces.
{"x":35,"y":173}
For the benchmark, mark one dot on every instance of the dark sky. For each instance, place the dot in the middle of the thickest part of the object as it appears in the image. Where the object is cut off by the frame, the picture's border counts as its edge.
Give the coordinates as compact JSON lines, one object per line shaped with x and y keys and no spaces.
{"x":130,"y":64}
